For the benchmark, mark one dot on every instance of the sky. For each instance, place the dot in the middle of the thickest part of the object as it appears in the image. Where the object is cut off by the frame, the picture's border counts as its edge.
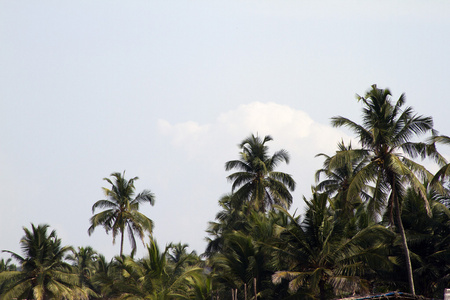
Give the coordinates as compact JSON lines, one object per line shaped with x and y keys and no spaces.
{"x":166,"y":90}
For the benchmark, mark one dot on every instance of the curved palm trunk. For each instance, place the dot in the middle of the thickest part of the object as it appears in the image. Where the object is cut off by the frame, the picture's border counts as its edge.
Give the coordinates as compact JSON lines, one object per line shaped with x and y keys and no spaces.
{"x":404,"y":244}
{"x":401,"y":229}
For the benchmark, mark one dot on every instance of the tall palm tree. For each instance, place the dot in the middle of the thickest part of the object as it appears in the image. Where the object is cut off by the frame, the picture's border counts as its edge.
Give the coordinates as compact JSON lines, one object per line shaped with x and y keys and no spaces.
{"x":43,"y":272}
{"x":122,"y":210}
{"x":387,"y":134}
{"x":257,"y":181}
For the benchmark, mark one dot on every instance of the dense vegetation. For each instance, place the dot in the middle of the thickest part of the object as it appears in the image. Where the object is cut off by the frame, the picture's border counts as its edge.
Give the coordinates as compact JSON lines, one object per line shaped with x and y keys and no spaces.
{"x":376,"y":221}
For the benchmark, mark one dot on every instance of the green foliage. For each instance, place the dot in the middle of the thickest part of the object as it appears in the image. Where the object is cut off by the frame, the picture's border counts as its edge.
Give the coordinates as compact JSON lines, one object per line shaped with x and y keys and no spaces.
{"x":256,"y":181}
{"x":43,"y":272}
{"x":339,"y":171}
{"x":6,"y":265}
{"x":322,"y":259}
{"x":83,"y":262}
{"x":429,"y":241}
{"x":162,"y":275}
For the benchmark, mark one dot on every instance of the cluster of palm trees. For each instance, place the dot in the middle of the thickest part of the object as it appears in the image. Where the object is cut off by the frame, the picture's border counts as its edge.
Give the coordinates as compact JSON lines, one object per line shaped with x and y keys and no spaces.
{"x":376,"y":221}
{"x":50,"y":271}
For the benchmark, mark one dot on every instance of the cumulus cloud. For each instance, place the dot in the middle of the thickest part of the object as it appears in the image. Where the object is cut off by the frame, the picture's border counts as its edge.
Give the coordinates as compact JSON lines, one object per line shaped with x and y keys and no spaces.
{"x":267,"y":117}
{"x":292,"y":129}
{"x":183,"y":133}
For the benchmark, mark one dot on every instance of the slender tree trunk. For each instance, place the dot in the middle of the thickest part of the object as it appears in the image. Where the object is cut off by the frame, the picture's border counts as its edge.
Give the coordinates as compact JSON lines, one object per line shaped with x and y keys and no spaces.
{"x":405,"y":245}
{"x":121,"y":241}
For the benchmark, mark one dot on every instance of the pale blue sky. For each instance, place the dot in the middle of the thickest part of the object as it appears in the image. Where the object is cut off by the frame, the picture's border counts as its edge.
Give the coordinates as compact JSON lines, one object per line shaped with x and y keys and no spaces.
{"x":166,"y":90}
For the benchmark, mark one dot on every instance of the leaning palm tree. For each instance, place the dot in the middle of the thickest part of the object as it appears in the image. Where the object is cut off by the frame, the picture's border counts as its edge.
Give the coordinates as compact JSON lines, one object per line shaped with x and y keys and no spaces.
{"x":256,"y":181}
{"x":387,"y":134}
{"x":43,"y":272}
{"x":122,"y":211}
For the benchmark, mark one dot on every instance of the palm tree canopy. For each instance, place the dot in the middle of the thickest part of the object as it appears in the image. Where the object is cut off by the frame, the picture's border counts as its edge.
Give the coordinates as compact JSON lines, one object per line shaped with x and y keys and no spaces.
{"x":122,"y":210}
{"x":318,"y":252}
{"x":156,"y":276}
{"x":387,"y":133}
{"x":256,"y":180}
{"x":43,"y":274}
{"x":444,"y":171}
{"x":338,"y":172}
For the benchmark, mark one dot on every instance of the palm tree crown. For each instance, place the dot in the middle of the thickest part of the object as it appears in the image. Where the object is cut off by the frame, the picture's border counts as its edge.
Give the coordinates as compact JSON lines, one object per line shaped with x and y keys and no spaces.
{"x":386,"y":135}
{"x":319,"y":254}
{"x":43,"y":272}
{"x":339,"y":171}
{"x":122,"y":210}
{"x":257,"y":181}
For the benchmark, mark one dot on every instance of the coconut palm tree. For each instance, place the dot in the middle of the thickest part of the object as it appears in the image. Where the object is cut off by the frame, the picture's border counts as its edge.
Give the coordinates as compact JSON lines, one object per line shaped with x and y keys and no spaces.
{"x":122,"y":211}
{"x":240,"y":264}
{"x":339,"y":170}
{"x":429,"y":240}
{"x":245,"y":261}
{"x":84,"y":261}
{"x":387,"y":134}
{"x":43,"y":273}
{"x":256,"y":181}
{"x":156,"y":277}
{"x":232,"y":217}
{"x":106,"y":277}
{"x":6,"y":265}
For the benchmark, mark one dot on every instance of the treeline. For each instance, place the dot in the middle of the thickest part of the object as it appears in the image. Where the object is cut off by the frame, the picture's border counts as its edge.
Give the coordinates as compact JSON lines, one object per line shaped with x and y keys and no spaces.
{"x":376,"y":221}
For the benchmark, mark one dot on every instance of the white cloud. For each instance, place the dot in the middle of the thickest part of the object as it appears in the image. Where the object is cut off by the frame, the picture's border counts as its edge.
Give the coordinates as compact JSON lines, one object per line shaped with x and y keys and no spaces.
{"x":182,"y":132}
{"x":268,"y":118}
{"x":188,"y":135}
{"x":292,"y":129}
